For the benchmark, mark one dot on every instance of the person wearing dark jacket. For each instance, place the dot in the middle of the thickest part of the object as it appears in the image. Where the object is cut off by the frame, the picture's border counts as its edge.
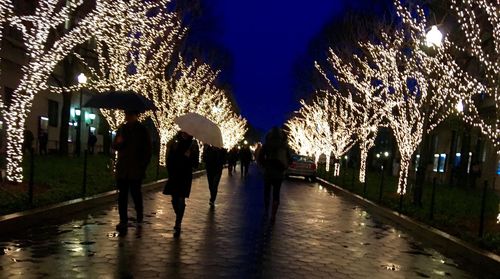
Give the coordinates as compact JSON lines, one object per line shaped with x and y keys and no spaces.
{"x":133,"y":144}
{"x":274,"y":157}
{"x":245,"y":159}
{"x":182,"y":159}
{"x":232,"y":158}
{"x":214,"y":159}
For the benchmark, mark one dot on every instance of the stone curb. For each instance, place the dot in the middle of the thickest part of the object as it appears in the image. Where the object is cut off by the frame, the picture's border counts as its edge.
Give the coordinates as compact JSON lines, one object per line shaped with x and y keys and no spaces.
{"x":476,"y":258}
{"x":50,"y":214}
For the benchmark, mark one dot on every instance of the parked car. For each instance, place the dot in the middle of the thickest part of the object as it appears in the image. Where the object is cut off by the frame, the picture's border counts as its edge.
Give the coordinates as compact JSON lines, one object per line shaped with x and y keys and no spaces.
{"x":302,"y":166}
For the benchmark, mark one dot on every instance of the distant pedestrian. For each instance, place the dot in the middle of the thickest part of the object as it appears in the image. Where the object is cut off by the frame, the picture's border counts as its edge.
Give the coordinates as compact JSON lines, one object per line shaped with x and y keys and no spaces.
{"x":258,"y":148}
{"x":133,"y":144}
{"x":475,"y":173}
{"x":232,"y":158}
{"x":245,"y":158}
{"x":214,"y":159}
{"x":43,"y":139}
{"x":92,"y":140}
{"x":274,"y":157}
{"x":28,"y":141}
{"x":182,"y":159}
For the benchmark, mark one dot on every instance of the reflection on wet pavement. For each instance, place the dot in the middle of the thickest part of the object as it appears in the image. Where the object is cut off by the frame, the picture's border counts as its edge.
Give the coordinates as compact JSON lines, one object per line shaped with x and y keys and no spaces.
{"x":317,"y":234}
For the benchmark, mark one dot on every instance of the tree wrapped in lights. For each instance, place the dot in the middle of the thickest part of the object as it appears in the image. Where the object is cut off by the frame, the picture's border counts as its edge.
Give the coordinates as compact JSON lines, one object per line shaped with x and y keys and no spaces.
{"x":300,"y":139}
{"x":43,"y":53}
{"x":329,"y":125}
{"x":479,"y":21}
{"x":134,"y":52}
{"x":365,"y":106}
{"x":5,"y":14}
{"x":415,"y":85}
{"x":190,"y":88}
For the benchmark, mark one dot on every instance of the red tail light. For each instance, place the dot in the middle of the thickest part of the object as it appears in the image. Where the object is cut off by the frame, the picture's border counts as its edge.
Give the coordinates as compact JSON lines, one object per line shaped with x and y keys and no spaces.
{"x":293,"y":165}
{"x":313,"y":166}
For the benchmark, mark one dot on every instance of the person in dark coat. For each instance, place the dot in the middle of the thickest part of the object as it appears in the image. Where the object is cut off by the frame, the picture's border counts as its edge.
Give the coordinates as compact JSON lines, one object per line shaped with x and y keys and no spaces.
{"x":182,"y":159}
{"x":274,"y":157}
{"x":133,"y":144}
{"x":232,"y":158}
{"x":214,"y":159}
{"x":92,"y":140}
{"x":28,"y":141}
{"x":245,"y":159}
{"x":43,"y":139}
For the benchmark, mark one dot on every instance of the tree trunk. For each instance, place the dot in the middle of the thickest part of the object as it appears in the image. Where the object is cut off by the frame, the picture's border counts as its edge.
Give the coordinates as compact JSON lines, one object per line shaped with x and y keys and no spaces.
{"x":337,"y":169}
{"x":327,"y":167}
{"x":64,"y":128}
{"x":421,"y":170}
{"x":68,"y":80}
{"x":403,"y":174}
{"x":362,"y":167}
{"x":16,"y":119}
{"x":163,"y":150}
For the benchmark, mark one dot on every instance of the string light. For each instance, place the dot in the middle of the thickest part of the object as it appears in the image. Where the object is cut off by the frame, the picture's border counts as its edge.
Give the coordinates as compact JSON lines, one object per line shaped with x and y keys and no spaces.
{"x":148,"y":43}
{"x":414,"y":89}
{"x":360,"y":100}
{"x":191,"y":89}
{"x":328,"y":125}
{"x":477,"y":19}
{"x":417,"y":89}
{"x":5,"y":14}
{"x":134,"y":51}
{"x":43,"y":54}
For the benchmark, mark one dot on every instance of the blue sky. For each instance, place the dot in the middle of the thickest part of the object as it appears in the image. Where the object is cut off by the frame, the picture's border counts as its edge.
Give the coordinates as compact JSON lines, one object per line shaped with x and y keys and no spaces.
{"x":265,"y":38}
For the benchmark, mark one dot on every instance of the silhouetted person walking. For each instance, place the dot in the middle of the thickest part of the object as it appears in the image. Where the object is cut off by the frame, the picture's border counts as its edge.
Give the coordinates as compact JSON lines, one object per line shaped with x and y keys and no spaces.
{"x":245,"y":159}
{"x":43,"y":139}
{"x":28,"y":141}
{"x":274,"y":157}
{"x":214,"y":159}
{"x":232,"y":158}
{"x":182,"y":159}
{"x":92,"y":140}
{"x":133,"y":144}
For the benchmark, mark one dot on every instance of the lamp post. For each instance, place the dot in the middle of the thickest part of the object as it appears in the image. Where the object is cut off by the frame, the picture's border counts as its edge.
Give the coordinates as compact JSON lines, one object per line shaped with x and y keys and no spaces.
{"x":82,"y":79}
{"x":382,"y":168}
{"x":434,"y":37}
{"x":433,"y":40}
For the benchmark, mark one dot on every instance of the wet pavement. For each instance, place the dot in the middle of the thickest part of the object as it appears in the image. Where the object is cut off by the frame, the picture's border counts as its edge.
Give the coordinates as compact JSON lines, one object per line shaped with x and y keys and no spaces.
{"x":317,"y":234}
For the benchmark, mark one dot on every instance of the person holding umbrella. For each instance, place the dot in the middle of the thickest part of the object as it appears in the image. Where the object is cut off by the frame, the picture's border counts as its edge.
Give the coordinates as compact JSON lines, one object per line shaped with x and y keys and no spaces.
{"x":182,"y":159}
{"x":133,"y":144}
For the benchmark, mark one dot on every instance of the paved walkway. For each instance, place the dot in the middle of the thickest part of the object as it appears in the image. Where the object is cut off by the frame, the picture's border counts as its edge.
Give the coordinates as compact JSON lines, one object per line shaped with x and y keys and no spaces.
{"x":317,"y":235}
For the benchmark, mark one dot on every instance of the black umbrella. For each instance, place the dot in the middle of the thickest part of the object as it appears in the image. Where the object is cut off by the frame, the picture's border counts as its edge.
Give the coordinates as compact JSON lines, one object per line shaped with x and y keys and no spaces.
{"x":124,"y":100}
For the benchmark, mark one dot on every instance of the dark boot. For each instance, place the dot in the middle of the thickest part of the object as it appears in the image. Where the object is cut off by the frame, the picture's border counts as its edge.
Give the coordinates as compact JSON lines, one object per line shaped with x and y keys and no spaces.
{"x":274,"y":211}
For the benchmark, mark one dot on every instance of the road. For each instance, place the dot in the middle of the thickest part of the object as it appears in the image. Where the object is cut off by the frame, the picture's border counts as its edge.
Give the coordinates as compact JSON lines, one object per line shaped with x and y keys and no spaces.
{"x":317,"y":234}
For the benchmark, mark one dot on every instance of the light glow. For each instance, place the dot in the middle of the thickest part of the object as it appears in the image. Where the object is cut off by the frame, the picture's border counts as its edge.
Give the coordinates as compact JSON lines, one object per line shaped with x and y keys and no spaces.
{"x":43,"y":53}
{"x":434,"y":37}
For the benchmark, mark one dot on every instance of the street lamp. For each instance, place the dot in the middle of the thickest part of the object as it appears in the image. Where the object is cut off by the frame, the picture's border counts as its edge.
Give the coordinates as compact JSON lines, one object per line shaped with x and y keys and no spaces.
{"x":459,"y":106}
{"x":434,"y":37}
{"x":82,"y":79}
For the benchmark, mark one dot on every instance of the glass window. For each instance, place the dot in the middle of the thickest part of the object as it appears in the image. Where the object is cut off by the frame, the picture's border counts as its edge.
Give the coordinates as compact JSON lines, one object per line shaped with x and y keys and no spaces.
{"x":436,"y":163}
{"x":442,"y":162}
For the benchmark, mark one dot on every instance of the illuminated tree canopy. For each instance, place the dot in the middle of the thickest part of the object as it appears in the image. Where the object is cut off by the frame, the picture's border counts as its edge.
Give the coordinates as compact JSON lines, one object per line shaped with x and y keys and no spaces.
{"x":44,"y":53}
{"x":479,"y":22}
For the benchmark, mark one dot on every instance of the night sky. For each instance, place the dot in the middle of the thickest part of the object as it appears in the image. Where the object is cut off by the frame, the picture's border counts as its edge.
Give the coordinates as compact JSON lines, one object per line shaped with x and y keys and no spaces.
{"x":265,"y":39}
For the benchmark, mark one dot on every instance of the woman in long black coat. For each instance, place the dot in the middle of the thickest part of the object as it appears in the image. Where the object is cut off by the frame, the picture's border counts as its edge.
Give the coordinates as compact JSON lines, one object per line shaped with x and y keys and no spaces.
{"x":182,"y":159}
